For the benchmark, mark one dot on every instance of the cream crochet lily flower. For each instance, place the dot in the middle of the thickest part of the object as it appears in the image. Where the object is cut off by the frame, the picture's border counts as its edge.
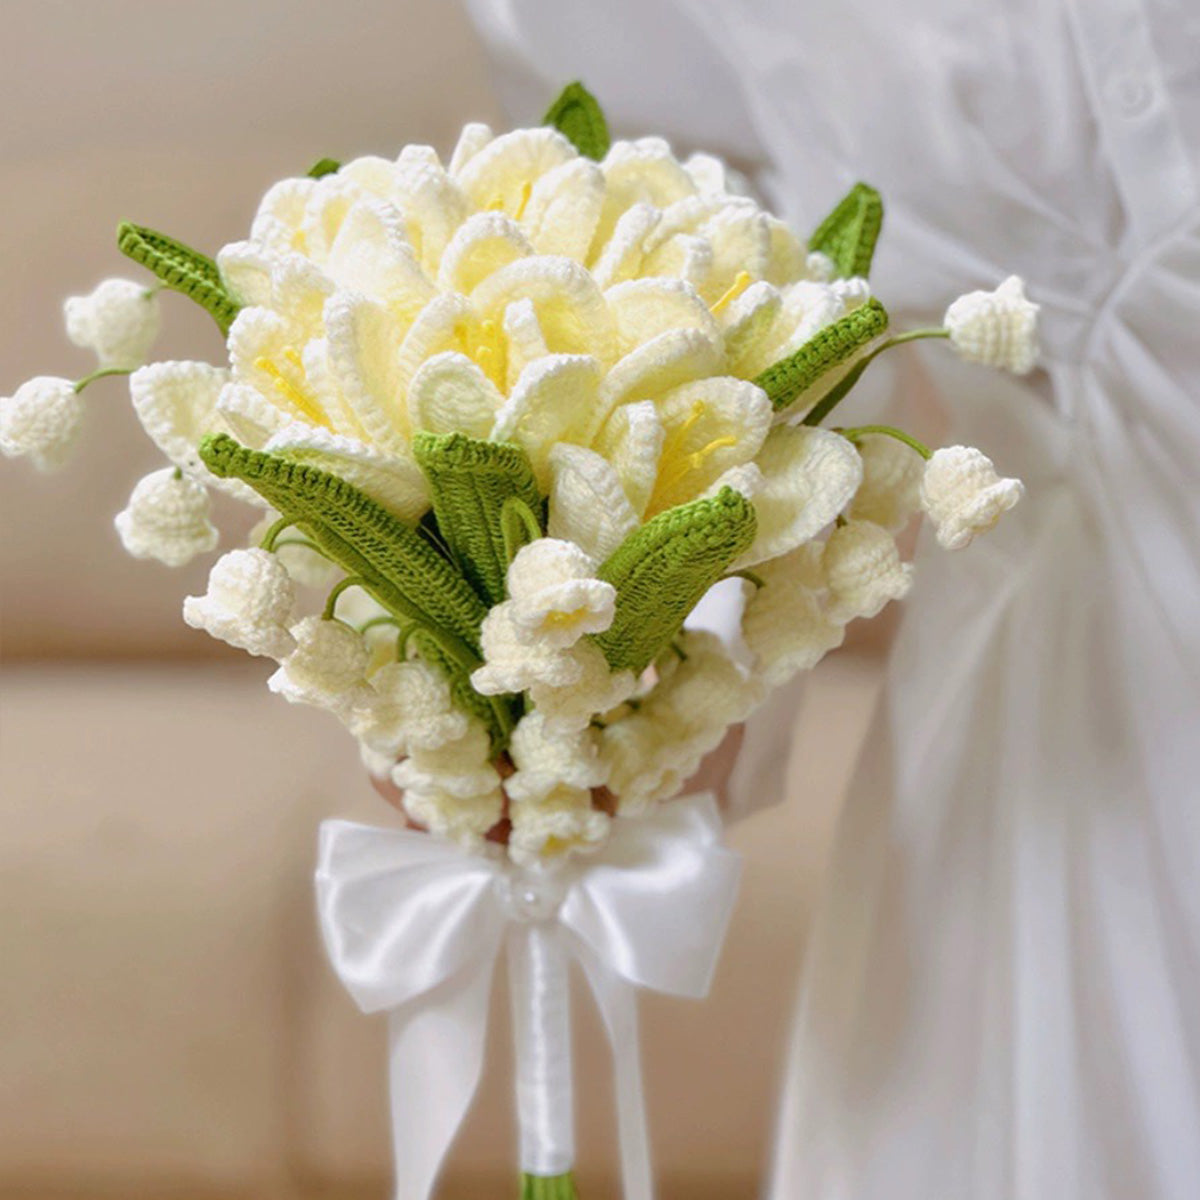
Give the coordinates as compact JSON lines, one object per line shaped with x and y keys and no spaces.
{"x":551,"y":799}
{"x":964,"y":496}
{"x":167,"y":519}
{"x":555,"y":595}
{"x":890,"y":491}
{"x":326,"y":669}
{"x":651,"y":751}
{"x":453,"y":789}
{"x":249,"y":603}
{"x":409,"y":708}
{"x":998,"y":329}
{"x":863,"y":571}
{"x":118,"y":321}
{"x":787,"y":624}
{"x":41,"y":421}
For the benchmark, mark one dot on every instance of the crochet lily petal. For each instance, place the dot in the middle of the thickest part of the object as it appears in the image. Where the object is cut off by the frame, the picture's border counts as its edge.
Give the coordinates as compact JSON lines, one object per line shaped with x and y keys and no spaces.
{"x":809,"y":476}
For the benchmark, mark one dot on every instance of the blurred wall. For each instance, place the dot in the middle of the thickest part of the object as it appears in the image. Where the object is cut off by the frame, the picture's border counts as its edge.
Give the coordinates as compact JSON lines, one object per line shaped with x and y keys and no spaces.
{"x":177,"y":116}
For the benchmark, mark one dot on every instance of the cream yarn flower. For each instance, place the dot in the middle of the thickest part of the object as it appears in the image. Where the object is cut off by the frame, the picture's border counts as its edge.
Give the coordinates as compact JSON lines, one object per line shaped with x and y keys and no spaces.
{"x":514,"y":661}
{"x":863,"y":570}
{"x":890,"y":491}
{"x":594,"y":688}
{"x":551,"y":793}
{"x":647,"y":762}
{"x":326,"y":669}
{"x":650,"y":752}
{"x":409,"y":708}
{"x":562,"y":822}
{"x":167,"y":519}
{"x":248,"y":603}
{"x":786,"y":625}
{"x":41,"y":421}
{"x":454,"y":790}
{"x":555,"y":595}
{"x":119,"y":321}
{"x":545,"y":755}
{"x":964,"y":496}
{"x":998,"y":329}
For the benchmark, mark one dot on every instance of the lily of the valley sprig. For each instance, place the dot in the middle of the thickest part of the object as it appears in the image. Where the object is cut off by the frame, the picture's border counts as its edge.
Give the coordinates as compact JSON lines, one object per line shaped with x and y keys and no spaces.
{"x":515,"y":413}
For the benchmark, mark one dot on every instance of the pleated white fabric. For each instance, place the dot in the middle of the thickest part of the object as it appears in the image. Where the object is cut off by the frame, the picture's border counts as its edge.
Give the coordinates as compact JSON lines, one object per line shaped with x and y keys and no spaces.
{"x":1002,"y":999}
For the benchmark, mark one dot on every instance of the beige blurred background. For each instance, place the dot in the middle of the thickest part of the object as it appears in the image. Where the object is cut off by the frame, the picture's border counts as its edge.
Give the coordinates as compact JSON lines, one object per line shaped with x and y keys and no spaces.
{"x":167,"y":1021}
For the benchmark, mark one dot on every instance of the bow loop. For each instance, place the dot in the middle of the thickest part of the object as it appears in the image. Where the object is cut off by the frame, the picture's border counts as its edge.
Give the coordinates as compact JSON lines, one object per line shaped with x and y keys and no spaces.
{"x":655,"y":906}
{"x":401,"y":912}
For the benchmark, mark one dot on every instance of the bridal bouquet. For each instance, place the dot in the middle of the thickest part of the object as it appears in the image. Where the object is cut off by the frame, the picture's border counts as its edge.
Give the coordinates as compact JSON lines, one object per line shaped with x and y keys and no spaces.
{"x":507,"y":420}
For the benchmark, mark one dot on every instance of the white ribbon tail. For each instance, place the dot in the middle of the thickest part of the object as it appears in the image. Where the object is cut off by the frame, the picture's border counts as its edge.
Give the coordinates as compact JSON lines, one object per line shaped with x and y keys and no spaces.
{"x":617,"y":1001}
{"x":436,"y":1055}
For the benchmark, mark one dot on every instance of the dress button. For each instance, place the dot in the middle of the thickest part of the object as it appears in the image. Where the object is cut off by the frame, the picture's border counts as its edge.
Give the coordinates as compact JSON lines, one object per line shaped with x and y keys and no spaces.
{"x":1130,"y":94}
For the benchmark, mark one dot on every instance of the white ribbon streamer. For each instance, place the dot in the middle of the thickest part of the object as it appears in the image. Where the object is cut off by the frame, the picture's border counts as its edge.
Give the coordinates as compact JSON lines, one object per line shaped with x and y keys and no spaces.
{"x":414,"y":926}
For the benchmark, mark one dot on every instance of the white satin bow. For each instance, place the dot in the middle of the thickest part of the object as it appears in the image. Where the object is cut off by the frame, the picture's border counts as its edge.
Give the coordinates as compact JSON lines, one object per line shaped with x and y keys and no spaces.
{"x":413,"y":925}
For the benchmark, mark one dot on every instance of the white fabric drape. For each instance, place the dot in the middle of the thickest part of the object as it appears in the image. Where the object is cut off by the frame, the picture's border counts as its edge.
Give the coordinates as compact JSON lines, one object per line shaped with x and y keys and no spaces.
{"x":1003,"y":995}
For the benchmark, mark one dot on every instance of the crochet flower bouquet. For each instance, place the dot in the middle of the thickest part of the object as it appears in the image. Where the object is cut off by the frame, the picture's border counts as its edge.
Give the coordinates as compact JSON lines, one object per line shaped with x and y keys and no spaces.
{"x":508,"y":420}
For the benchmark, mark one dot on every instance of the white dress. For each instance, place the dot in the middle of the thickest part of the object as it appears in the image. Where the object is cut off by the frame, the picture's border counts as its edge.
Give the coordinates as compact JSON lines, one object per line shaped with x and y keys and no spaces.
{"x":1002,"y":997}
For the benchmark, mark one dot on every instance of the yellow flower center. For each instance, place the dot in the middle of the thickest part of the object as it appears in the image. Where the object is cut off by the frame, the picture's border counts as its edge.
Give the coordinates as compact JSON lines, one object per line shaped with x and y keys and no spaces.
{"x":735,"y":289}
{"x":564,"y":619}
{"x":295,"y":395}
{"x":496,"y":203}
{"x":676,"y":463}
{"x":485,"y":345}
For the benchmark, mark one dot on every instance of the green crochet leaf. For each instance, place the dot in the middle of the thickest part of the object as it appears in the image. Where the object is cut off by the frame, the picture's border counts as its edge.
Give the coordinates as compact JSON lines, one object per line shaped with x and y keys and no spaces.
{"x":412,"y":579}
{"x":181,"y":268}
{"x":548,"y":1187}
{"x":577,"y":115}
{"x":818,"y":360}
{"x":848,"y":235}
{"x":396,"y":564}
{"x":323,"y":167}
{"x":469,"y":482}
{"x":661,"y":570}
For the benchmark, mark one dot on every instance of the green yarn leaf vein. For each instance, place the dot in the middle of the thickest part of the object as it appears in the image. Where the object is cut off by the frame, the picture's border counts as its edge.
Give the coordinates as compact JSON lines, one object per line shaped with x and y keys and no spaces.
{"x":469,"y":483}
{"x":662,"y":569}
{"x":180,"y":268}
{"x":577,"y":115}
{"x":848,"y":235}
{"x":787,"y":380}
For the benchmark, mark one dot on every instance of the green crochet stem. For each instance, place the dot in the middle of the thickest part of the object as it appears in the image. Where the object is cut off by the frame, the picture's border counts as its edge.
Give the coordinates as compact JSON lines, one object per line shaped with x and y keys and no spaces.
{"x":848,"y":235}
{"x":335,"y":592}
{"x":787,"y":380}
{"x":323,"y":167}
{"x":548,"y":1187}
{"x":394,"y":562}
{"x":518,"y":526}
{"x":101,"y":373}
{"x":859,"y":431}
{"x":470,"y":482}
{"x":577,"y":115}
{"x":180,"y":268}
{"x":843,"y":387}
{"x":662,"y":569}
